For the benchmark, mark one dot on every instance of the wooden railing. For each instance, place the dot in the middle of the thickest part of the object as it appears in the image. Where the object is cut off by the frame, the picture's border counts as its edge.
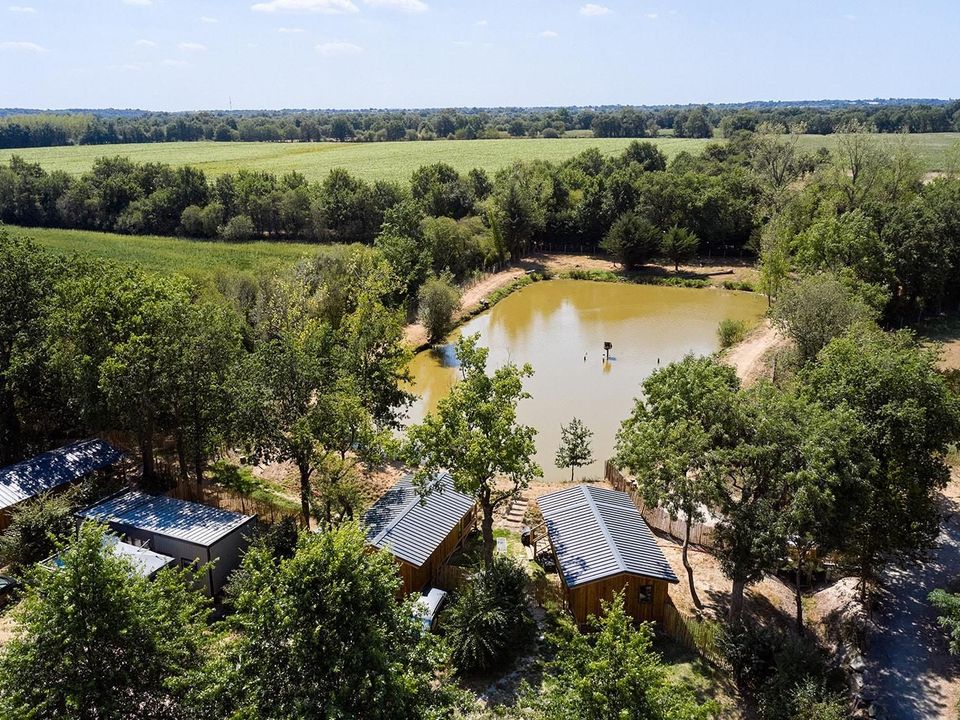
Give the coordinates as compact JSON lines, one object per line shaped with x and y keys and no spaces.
{"x":658,"y":518}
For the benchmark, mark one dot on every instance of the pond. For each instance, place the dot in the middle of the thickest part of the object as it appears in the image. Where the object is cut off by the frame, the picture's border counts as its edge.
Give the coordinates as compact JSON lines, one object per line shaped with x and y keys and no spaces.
{"x":560,"y":326}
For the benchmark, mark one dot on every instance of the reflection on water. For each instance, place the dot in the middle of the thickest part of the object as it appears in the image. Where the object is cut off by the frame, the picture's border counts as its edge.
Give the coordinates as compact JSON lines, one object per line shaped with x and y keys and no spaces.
{"x":560,"y":327}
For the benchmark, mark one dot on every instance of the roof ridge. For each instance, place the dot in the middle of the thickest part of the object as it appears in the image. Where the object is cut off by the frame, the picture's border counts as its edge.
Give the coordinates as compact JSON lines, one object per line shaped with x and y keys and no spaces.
{"x":437,"y":480}
{"x":604,"y":529}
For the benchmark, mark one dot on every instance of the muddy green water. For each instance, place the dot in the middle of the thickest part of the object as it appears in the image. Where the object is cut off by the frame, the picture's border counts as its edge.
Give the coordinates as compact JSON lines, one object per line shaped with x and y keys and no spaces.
{"x":559,"y":327}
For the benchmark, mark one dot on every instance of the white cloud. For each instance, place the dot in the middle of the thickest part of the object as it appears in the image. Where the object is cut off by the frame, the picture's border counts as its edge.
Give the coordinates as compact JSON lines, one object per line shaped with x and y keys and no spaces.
{"x":128,"y":67}
{"x":290,"y":31}
{"x":192,"y":47}
{"x":24,"y":9}
{"x":410,"y":6}
{"x":326,"y":7}
{"x":850,"y":17}
{"x":549,"y":34}
{"x":652,"y":16}
{"x":208,"y":19}
{"x":21,"y":45}
{"x":592,"y":10}
{"x":482,"y":23}
{"x":169,"y":62}
{"x":337,"y":48}
{"x":143,"y":42}
{"x":142,"y":3}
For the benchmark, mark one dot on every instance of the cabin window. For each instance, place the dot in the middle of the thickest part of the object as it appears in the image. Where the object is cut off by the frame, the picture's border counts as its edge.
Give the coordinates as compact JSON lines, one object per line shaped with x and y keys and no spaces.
{"x":646,"y":593}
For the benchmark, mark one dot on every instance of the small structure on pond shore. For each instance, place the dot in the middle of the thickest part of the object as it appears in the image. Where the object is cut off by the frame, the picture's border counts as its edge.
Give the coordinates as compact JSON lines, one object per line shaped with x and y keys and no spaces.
{"x":421,"y":533}
{"x":190,"y":533}
{"x":603,"y":546}
{"x":53,"y":470}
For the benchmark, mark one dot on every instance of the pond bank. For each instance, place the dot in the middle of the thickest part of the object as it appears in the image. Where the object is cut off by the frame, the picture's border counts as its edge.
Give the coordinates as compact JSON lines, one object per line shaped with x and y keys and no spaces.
{"x":492,"y":288}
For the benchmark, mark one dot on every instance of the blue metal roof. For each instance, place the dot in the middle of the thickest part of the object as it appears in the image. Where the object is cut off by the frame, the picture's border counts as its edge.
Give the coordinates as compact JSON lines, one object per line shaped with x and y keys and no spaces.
{"x":413,"y":529}
{"x":161,"y":515}
{"x":597,"y":533}
{"x":24,"y":480}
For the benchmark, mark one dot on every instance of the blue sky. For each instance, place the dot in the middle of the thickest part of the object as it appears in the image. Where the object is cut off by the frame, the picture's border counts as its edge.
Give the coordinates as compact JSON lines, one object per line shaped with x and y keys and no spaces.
{"x":208,"y":54}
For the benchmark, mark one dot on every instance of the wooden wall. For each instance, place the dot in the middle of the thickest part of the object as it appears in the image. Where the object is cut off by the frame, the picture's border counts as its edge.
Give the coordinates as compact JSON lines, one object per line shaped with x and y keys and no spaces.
{"x":415,"y":579}
{"x":585,"y":600}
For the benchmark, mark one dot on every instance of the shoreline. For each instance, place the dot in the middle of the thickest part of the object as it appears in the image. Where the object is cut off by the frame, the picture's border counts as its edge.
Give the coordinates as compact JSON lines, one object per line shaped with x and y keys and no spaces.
{"x":491,"y":289}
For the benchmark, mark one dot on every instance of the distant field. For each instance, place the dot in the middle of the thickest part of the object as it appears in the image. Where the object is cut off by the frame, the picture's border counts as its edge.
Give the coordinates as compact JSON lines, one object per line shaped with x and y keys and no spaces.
{"x":197,"y":259}
{"x":370,"y":161}
{"x":397,"y":161}
{"x":930,"y":147}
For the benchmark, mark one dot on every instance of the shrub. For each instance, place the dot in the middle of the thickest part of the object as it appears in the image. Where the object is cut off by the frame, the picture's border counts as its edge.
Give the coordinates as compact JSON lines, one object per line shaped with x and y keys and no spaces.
{"x":439,"y":300}
{"x":738,"y":285}
{"x":632,"y":240}
{"x":238,"y":229}
{"x":35,"y":529}
{"x":614,"y":673}
{"x":489,"y":620}
{"x":730,"y":332}
{"x":780,"y":673}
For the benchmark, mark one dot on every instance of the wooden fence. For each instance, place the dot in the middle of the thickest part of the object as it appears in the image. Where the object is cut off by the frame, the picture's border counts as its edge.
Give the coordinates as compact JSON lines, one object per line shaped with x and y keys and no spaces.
{"x":219,"y":497}
{"x":657,"y":518}
{"x":695,"y":635}
{"x":450,"y":577}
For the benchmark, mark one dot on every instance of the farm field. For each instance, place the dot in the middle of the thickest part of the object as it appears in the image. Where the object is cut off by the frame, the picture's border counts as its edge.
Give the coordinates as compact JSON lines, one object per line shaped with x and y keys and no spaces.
{"x":397,"y":161}
{"x":394,"y":161}
{"x":195,"y":258}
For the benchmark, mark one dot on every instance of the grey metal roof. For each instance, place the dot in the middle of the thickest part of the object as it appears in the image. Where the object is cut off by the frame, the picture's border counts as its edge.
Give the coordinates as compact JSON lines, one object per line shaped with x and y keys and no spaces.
{"x":597,"y":533}
{"x":24,"y":480}
{"x":188,"y":521}
{"x":143,"y":561}
{"x":413,"y":529}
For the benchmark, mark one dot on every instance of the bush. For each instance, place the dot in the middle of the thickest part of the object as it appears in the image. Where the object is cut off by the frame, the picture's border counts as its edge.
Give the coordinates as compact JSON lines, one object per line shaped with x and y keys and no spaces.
{"x":238,"y":229}
{"x":35,"y":529}
{"x":730,"y":332}
{"x":439,"y":300}
{"x":489,"y":620}
{"x":738,"y":285}
{"x":780,"y":673}
{"x":632,"y":240}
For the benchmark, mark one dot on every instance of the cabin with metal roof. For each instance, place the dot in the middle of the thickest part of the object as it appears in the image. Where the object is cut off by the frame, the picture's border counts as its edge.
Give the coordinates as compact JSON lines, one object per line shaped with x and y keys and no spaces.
{"x":191,"y":533}
{"x":421,"y":533}
{"x":142,"y":560}
{"x":603,"y":546}
{"x":52,"y":470}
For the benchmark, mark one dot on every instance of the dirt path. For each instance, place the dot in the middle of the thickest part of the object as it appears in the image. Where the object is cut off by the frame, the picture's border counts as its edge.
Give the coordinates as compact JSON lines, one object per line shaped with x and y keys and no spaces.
{"x":749,"y":356}
{"x":915,"y":677}
{"x":416,"y":334}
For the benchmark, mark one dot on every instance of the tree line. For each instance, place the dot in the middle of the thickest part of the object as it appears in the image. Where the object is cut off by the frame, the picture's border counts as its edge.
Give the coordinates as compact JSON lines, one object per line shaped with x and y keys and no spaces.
{"x":40,"y":129}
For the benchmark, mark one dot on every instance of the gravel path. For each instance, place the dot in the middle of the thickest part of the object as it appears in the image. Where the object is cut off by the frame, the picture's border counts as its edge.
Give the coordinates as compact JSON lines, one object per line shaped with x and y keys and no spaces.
{"x":914,"y":676}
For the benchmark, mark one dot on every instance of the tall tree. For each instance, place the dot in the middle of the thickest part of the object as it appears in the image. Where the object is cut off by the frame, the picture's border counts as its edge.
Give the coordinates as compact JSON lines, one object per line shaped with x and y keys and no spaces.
{"x":321,"y":634}
{"x":911,"y":417}
{"x":574,"y":451}
{"x":27,"y":276}
{"x":95,"y":639}
{"x":665,"y":443}
{"x":474,"y":434}
{"x":679,"y":245}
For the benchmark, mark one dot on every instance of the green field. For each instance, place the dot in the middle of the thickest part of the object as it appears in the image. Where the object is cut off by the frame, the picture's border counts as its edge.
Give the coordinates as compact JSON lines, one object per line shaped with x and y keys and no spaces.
{"x":370,"y":161}
{"x":198,"y":259}
{"x":397,"y":161}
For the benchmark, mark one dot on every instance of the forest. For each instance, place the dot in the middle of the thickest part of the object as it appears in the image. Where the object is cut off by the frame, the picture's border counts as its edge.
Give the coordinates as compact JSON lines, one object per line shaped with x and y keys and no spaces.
{"x":20,"y":129}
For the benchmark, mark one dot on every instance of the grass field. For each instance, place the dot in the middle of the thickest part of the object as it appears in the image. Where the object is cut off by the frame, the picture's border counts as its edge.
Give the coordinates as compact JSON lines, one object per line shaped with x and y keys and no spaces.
{"x":397,"y":161}
{"x":194,"y":258}
{"x":370,"y":161}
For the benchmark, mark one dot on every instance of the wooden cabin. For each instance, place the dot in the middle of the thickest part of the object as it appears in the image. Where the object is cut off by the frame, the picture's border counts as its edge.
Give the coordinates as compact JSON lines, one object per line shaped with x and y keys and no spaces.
{"x":603,"y":546}
{"x":421,"y":533}
{"x":51,"y":471}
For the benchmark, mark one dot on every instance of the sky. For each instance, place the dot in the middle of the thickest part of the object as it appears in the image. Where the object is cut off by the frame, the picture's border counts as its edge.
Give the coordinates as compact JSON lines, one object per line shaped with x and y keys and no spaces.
{"x":255,"y":54}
